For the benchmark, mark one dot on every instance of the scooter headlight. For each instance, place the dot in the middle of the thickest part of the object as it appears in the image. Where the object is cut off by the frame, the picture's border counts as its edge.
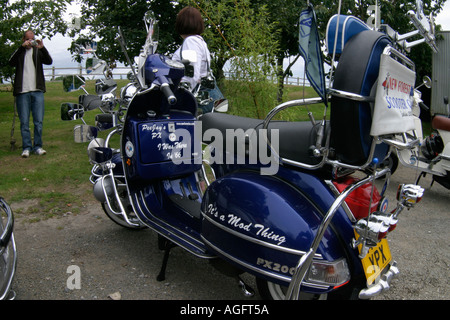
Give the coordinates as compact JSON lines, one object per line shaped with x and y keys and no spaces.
{"x":102,"y":186}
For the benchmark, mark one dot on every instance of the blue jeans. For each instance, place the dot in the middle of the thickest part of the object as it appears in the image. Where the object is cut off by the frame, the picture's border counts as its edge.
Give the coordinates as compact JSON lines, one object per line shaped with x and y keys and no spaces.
{"x":31,"y":103}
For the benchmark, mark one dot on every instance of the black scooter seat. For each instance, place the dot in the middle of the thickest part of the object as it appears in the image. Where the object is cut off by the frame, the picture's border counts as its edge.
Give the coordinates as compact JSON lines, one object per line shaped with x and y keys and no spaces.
{"x":295,"y":138}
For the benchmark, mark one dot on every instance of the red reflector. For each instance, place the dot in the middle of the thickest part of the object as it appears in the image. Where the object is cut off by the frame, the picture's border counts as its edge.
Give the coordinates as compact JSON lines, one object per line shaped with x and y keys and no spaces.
{"x":341,"y":285}
{"x":382,"y":235}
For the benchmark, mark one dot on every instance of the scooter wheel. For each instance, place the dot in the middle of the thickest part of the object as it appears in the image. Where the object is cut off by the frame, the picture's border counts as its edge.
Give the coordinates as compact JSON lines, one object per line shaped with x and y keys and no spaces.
{"x":272,"y":291}
{"x":391,"y":163}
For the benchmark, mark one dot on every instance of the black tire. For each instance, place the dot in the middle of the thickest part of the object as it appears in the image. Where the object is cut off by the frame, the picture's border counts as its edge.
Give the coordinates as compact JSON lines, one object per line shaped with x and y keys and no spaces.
{"x":391,"y":162}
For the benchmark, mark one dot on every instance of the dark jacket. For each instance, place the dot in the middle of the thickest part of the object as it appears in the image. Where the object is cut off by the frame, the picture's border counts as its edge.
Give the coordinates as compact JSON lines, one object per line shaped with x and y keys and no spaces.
{"x":40,"y":56}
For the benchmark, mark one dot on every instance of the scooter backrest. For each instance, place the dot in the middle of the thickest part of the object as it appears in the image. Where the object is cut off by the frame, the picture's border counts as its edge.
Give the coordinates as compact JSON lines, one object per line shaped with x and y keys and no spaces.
{"x":346,"y":27}
{"x":351,"y":120}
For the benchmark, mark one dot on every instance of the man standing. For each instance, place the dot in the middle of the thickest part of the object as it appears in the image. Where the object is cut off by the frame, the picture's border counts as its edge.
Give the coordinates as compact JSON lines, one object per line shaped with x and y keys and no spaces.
{"x":29,"y":88}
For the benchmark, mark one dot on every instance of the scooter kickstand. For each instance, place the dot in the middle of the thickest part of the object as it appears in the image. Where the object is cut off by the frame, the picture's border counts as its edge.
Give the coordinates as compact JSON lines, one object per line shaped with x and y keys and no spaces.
{"x":246,"y":289}
{"x":165,"y":245}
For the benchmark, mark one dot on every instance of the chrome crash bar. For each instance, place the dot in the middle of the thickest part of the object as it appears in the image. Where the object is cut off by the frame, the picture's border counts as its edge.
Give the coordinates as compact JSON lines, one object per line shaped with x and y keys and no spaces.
{"x":306,"y":260}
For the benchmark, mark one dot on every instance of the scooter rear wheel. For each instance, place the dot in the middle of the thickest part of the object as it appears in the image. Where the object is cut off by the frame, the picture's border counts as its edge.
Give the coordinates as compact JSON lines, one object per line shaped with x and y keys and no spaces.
{"x":272,"y":291}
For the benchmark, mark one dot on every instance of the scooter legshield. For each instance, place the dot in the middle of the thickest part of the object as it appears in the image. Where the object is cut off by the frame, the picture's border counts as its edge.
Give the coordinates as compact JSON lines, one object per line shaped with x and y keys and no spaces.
{"x":263,"y":224}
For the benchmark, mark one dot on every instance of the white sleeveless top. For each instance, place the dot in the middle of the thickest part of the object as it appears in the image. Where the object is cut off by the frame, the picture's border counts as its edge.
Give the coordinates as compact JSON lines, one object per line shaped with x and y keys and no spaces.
{"x":201,"y":67}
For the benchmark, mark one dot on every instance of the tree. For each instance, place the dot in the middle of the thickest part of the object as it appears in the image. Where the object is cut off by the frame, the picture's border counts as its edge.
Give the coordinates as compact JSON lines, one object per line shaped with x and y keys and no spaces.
{"x":393,"y":13}
{"x":285,"y":15}
{"x":101,"y":19}
{"x":245,"y":37}
{"x":45,"y":18}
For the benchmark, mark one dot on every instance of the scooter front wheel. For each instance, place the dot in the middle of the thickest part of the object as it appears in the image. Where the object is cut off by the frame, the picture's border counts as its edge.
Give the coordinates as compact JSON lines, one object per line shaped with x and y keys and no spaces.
{"x":272,"y":291}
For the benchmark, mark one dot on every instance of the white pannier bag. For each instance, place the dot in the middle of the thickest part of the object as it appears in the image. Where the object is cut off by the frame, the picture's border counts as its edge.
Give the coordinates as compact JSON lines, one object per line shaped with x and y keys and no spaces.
{"x":394,"y":98}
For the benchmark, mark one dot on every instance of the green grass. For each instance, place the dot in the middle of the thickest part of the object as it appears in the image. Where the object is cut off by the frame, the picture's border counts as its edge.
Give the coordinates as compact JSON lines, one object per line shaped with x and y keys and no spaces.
{"x":58,"y":179}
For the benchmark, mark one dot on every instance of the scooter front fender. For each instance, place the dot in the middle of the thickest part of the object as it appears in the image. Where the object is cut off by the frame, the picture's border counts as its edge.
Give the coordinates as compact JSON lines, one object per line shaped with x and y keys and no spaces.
{"x":264,"y":224}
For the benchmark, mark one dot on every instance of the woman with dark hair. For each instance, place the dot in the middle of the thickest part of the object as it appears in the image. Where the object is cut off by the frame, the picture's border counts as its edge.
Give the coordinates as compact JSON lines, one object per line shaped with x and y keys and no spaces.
{"x":189,"y":25}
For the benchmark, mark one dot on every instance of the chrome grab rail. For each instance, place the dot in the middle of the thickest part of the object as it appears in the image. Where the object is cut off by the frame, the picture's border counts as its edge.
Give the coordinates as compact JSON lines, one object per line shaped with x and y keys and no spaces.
{"x":350,"y":95}
{"x":306,"y":260}
{"x":325,"y":159}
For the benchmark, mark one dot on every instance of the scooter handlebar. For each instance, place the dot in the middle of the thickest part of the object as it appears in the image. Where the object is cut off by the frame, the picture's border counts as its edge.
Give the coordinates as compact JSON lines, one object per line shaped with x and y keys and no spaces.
{"x":171,"y":99}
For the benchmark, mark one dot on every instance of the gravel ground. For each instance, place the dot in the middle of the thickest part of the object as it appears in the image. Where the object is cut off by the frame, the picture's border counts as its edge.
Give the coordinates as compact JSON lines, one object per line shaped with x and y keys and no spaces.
{"x":116,"y":263}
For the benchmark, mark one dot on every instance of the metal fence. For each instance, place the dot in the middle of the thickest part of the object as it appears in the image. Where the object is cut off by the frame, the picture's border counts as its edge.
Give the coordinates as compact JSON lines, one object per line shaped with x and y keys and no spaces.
{"x":54,"y":73}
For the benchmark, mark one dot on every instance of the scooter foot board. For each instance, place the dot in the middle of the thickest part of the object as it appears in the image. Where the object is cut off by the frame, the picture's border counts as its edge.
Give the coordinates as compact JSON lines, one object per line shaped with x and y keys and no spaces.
{"x":186,"y":238}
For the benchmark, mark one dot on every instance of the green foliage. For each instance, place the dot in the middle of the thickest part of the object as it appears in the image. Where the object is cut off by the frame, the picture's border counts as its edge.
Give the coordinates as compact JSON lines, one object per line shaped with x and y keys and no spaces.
{"x":253,"y":65}
{"x":58,"y":179}
{"x":104,"y":17}
{"x":248,"y":40}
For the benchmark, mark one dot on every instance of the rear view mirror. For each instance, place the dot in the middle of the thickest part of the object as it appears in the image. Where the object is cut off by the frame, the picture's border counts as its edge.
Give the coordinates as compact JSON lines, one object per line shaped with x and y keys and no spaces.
{"x":427,"y":82}
{"x":221,"y":105}
{"x":95,"y":66}
{"x":73,"y":83}
{"x":84,"y":133}
{"x":71,"y":111}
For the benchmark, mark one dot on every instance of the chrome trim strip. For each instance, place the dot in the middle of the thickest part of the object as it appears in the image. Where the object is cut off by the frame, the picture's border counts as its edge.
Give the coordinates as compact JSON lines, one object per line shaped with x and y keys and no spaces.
{"x":257,"y":241}
{"x":263,"y":272}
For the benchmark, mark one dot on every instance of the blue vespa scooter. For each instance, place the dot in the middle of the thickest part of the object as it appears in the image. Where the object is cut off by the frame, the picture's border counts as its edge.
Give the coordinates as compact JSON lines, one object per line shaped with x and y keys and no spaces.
{"x":289,"y":202}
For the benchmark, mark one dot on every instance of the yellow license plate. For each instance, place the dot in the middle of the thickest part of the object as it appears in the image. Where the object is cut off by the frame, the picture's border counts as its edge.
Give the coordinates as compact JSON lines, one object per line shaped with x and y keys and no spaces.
{"x":376,"y":260}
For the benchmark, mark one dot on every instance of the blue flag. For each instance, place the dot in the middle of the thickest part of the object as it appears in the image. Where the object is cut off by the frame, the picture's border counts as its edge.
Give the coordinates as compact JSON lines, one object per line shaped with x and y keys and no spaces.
{"x":309,"y":45}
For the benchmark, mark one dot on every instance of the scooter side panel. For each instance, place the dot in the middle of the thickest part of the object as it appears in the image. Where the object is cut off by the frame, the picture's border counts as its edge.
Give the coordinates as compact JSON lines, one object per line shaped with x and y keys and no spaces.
{"x":263,"y":224}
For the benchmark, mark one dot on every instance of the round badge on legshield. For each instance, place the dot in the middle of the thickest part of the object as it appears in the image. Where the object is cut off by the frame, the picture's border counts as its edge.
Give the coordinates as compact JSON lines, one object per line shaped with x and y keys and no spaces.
{"x":383,"y":205}
{"x":172,"y":137}
{"x":129,"y":149}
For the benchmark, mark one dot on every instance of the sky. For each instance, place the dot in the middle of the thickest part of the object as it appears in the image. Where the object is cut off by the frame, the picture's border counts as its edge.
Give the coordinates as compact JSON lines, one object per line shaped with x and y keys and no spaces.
{"x":58,"y":45}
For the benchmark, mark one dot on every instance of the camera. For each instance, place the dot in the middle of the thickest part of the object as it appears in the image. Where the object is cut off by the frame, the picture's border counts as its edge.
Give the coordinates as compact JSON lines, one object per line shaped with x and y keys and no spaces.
{"x":34,"y":43}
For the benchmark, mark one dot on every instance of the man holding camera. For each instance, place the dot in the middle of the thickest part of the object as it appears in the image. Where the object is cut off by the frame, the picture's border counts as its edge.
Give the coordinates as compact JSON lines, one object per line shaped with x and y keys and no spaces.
{"x":29,"y":88}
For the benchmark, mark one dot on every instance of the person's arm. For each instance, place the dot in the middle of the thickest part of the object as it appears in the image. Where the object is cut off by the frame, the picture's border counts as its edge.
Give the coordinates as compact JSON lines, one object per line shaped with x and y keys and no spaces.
{"x":15,"y":56}
{"x":43,"y":53}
